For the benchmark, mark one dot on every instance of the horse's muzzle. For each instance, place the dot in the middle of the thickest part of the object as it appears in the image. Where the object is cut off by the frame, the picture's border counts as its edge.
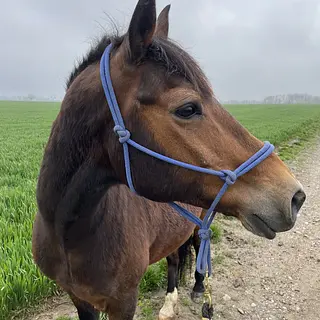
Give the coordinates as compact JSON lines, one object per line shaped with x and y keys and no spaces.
{"x":267,"y":219}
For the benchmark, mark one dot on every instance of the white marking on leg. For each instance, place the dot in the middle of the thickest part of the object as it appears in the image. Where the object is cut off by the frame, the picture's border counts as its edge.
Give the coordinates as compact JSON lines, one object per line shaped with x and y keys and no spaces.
{"x":167,"y":311}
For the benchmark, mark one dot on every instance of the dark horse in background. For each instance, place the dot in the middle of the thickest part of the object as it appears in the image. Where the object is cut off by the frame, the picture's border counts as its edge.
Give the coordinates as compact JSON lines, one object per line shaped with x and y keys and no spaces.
{"x":92,"y":235}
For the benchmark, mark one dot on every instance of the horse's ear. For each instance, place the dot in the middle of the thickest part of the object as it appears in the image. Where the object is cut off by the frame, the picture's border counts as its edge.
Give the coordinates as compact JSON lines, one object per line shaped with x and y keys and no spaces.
{"x":162,"y":30}
{"x":141,"y":28}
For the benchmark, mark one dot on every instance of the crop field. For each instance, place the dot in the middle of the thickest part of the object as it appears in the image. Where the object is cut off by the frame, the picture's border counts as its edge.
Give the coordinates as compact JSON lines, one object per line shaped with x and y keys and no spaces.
{"x":24,"y":130}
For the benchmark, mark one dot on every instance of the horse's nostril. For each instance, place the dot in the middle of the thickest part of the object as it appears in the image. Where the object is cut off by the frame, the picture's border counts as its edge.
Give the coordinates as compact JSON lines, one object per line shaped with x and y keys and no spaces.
{"x":297,"y":202}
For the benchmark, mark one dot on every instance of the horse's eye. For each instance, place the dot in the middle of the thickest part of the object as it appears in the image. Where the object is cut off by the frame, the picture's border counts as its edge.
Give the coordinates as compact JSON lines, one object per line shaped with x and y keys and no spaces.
{"x":188,"y":111}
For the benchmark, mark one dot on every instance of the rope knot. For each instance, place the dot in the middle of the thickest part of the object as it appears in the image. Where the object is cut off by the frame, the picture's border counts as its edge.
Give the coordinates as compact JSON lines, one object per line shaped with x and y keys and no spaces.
{"x":230,"y":177}
{"x":205,"y":234}
{"x":123,"y":134}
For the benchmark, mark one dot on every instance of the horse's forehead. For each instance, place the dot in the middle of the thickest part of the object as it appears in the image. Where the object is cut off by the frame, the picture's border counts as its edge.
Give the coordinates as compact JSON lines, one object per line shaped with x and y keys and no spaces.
{"x":155,"y":81}
{"x":151,"y":85}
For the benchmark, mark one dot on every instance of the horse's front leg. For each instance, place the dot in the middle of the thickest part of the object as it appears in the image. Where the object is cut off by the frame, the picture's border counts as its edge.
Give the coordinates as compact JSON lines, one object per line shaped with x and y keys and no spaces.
{"x":167,"y":311}
{"x":125,"y":307}
{"x":198,"y":289}
{"x":84,"y":309}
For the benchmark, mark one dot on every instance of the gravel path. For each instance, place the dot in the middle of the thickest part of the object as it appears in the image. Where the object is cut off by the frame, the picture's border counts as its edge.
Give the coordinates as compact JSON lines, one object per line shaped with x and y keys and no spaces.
{"x":256,"y":278}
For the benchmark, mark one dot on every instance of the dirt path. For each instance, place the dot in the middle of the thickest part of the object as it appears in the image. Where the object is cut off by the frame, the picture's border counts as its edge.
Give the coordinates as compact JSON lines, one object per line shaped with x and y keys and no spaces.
{"x":255,"y":278}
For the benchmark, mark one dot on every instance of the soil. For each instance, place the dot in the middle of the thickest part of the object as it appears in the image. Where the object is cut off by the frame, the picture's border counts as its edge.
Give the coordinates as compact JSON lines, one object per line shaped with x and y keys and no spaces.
{"x":253,"y":278}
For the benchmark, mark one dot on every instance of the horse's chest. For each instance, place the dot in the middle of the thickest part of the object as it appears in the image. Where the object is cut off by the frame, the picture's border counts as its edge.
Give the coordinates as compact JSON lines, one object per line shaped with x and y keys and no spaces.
{"x":173,"y":232}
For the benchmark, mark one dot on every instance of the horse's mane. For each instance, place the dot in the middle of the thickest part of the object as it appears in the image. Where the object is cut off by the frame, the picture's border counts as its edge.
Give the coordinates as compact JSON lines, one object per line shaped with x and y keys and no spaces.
{"x":163,"y":52}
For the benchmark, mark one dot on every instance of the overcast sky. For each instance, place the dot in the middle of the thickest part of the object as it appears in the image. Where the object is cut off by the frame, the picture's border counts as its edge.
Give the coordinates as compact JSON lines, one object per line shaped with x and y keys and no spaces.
{"x":248,"y":48}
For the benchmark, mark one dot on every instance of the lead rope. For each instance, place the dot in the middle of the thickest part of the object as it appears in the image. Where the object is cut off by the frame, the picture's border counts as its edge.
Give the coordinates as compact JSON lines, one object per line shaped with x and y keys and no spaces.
{"x":207,"y":307}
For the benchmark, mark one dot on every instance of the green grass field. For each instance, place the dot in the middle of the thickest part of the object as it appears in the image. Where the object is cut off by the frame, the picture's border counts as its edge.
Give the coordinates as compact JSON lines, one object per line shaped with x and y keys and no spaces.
{"x":24,"y":129}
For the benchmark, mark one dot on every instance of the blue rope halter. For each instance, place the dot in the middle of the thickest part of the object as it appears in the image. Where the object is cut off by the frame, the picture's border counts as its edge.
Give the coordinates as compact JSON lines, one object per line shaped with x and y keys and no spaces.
{"x":229,"y":177}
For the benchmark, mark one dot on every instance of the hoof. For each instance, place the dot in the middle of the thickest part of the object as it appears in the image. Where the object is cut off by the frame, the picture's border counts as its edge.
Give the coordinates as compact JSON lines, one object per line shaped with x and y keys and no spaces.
{"x":167,"y":311}
{"x":166,"y":316}
{"x":197,"y":297}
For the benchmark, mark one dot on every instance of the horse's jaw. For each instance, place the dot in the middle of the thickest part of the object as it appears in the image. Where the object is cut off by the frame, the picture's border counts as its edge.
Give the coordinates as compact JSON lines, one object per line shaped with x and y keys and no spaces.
{"x":258,"y":226}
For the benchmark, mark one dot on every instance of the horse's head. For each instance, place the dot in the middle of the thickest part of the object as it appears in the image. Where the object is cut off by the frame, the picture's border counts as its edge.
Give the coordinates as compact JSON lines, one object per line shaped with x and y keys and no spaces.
{"x":168,"y":106}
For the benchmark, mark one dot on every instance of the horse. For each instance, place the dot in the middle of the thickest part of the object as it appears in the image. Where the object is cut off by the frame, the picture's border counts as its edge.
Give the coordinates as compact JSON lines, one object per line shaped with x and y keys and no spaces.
{"x":91,"y":234}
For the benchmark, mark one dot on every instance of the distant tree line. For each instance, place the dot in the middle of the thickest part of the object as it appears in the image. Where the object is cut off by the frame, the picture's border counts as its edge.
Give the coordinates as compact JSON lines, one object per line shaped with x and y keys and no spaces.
{"x":295,"y":98}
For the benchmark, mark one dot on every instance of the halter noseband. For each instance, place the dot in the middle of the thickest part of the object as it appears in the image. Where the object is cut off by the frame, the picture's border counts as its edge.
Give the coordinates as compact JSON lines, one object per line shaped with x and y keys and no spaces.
{"x":229,"y":177}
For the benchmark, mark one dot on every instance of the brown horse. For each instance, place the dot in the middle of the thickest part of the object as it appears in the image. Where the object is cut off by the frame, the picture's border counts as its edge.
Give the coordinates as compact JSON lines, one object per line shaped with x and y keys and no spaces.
{"x":92,"y":235}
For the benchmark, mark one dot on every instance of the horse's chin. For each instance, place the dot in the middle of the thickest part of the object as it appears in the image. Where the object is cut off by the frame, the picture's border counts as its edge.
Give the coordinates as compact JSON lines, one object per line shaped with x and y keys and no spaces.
{"x":258,"y":226}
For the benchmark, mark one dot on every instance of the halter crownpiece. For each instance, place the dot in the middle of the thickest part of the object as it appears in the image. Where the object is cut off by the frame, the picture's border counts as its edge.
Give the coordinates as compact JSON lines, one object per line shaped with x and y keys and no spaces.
{"x":229,"y":177}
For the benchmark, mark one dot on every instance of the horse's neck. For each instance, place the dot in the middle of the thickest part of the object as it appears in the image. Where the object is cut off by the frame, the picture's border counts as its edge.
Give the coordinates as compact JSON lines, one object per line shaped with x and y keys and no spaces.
{"x":71,"y":163}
